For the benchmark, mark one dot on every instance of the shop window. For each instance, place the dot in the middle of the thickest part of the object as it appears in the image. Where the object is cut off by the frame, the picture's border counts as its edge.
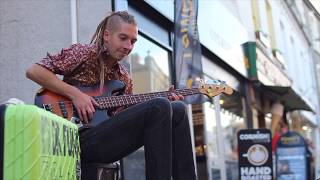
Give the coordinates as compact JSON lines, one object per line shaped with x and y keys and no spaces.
{"x":212,"y":144}
{"x":149,"y":67}
{"x":232,"y":121}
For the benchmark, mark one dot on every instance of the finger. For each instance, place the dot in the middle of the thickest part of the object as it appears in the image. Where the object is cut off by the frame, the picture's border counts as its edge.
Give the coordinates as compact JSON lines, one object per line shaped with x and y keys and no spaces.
{"x":84,"y":115}
{"x":175,"y":97}
{"x":180,"y":97}
{"x":90,"y":114}
{"x":79,"y":114}
{"x":94,"y":102}
{"x":171,"y":88}
{"x":92,"y":106}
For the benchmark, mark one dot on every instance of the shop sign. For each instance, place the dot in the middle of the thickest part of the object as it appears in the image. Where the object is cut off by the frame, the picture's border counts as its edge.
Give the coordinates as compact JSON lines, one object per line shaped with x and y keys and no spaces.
{"x":269,"y":73}
{"x":291,"y":157}
{"x":255,"y":154}
{"x":223,"y":39}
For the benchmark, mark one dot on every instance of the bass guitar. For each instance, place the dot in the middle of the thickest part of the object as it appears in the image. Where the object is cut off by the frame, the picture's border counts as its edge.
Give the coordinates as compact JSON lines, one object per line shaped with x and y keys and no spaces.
{"x":63,"y":106}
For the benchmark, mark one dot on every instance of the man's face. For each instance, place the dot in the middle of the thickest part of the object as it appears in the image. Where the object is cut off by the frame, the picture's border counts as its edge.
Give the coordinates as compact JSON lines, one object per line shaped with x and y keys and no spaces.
{"x":120,"y":42}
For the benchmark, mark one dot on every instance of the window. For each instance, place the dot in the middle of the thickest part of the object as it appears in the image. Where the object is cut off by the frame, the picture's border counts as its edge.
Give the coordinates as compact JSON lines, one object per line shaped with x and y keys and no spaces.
{"x":256,"y":16}
{"x":165,"y":7}
{"x":231,"y":122}
{"x":223,"y":118}
{"x":149,"y":67}
{"x":270,"y":25}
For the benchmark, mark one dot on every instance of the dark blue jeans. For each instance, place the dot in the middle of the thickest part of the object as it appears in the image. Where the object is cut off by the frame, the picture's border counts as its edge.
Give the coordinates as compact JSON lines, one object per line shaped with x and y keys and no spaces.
{"x":159,"y":125}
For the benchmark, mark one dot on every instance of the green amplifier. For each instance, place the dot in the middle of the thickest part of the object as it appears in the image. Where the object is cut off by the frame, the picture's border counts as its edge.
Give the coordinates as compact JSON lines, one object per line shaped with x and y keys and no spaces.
{"x":37,"y":145}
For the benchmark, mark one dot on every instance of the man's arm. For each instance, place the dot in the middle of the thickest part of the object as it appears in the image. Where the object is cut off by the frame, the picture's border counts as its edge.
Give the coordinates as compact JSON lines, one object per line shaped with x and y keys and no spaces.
{"x":49,"y":80}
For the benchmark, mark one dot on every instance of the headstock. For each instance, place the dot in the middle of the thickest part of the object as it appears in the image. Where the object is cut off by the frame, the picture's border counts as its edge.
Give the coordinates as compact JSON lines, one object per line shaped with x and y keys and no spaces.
{"x":214,"y":88}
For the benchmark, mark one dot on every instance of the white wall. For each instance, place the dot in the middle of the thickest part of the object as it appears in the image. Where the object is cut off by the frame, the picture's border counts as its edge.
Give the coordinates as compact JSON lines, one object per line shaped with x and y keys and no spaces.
{"x":296,"y":51}
{"x":31,"y":28}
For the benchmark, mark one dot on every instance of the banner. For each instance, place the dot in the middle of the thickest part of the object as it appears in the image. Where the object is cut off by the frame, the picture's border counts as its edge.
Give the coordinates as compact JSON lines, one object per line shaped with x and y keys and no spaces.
{"x":187,"y":48}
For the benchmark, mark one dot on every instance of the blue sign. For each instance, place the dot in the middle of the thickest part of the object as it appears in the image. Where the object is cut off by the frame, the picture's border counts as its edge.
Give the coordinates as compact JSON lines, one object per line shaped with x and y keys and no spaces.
{"x":291,"y":157}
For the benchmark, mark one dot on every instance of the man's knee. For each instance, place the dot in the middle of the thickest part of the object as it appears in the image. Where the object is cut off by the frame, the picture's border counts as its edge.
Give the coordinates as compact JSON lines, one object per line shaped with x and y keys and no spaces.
{"x":159,"y":101}
{"x":161,"y":106}
{"x":179,"y":107}
{"x":160,"y":112}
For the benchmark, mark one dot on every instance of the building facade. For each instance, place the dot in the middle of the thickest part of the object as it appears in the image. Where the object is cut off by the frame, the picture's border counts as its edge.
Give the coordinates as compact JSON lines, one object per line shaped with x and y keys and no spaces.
{"x":268,"y":51}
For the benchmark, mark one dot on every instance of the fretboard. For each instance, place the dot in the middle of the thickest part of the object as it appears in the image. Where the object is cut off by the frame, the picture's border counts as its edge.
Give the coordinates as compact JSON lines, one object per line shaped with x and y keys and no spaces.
{"x":123,"y":100}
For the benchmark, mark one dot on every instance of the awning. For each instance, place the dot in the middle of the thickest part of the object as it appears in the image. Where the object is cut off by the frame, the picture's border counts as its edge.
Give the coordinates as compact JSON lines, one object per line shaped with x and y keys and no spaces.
{"x":291,"y":100}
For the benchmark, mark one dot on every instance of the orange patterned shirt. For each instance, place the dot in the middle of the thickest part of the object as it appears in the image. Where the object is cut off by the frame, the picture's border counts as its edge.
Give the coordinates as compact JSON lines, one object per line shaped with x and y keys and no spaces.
{"x":80,"y":67}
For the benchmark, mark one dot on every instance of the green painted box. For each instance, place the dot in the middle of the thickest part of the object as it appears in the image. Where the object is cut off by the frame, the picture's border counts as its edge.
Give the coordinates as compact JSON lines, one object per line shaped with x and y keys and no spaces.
{"x":36,"y":144}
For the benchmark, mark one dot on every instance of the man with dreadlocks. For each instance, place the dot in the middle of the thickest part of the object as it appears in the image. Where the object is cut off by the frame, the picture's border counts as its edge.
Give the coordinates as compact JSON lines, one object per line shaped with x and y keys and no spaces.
{"x":160,"y":125}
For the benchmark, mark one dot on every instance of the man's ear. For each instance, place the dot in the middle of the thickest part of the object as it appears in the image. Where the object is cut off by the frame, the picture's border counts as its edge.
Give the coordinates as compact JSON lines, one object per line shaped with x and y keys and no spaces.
{"x":106,"y":34}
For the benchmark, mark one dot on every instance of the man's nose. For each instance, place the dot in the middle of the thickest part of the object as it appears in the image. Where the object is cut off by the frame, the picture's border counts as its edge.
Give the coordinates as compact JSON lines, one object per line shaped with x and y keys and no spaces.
{"x":128,"y":45}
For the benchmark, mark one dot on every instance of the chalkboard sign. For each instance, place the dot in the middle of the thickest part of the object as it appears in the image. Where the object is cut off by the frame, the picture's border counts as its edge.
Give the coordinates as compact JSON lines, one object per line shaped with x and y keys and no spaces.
{"x":255,"y":154}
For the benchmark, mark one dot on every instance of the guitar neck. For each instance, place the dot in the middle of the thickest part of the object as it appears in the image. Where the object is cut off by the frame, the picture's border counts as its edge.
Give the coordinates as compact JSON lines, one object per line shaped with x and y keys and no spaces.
{"x":123,"y":100}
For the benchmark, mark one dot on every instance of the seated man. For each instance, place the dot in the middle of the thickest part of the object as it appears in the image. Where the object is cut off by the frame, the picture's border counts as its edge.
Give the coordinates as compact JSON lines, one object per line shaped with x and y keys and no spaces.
{"x":161,"y":126}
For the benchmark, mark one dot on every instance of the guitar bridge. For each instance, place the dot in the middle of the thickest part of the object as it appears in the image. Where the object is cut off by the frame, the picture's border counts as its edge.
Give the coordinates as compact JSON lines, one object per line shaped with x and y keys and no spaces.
{"x":47,"y":107}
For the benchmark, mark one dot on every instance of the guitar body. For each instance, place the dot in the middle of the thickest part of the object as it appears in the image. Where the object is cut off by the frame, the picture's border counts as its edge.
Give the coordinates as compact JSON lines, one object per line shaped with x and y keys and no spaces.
{"x":62,"y":106}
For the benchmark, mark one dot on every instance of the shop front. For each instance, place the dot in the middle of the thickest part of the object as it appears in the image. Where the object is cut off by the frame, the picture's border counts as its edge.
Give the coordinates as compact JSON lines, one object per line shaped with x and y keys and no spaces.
{"x":215,"y":122}
{"x":273,"y":90}
{"x":223,"y":116}
{"x":278,"y":104}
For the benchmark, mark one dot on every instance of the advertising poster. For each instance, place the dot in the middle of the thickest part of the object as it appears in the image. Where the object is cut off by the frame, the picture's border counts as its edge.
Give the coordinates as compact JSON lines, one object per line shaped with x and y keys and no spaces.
{"x":291,"y":157}
{"x":255,"y":154}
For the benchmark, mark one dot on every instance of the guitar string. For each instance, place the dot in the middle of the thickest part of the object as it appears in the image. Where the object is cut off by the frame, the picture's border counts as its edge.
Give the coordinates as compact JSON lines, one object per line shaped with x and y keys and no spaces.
{"x":137,"y":98}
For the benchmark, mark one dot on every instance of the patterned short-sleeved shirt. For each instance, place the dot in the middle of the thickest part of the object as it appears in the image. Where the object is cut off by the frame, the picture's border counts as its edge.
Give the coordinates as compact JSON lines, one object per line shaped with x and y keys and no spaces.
{"x":79,"y":66}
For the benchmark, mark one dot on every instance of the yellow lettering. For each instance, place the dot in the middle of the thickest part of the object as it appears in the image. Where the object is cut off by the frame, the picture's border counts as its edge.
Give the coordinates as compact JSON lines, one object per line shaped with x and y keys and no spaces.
{"x":185,"y":41}
{"x":184,"y":21}
{"x":184,"y":30}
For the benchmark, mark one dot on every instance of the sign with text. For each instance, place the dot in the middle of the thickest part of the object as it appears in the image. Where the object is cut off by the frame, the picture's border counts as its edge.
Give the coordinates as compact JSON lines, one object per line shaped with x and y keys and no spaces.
{"x":291,"y":157}
{"x":255,"y":154}
{"x":220,"y":37}
{"x":269,"y":73}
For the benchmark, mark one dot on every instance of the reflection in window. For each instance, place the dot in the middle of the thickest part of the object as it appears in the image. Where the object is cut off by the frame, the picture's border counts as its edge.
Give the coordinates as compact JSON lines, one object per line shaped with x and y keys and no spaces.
{"x":212,"y":135}
{"x":165,"y":7}
{"x":231,"y":121}
{"x":149,"y":67}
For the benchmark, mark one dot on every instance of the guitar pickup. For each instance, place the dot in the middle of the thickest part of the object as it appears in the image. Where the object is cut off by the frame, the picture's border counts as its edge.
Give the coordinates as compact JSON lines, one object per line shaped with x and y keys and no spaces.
{"x":63,"y":109}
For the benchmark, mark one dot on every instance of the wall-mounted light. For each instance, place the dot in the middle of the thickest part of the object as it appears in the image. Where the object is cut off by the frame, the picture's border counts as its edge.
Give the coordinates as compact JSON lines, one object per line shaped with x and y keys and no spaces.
{"x":221,"y":101}
{"x":305,"y":128}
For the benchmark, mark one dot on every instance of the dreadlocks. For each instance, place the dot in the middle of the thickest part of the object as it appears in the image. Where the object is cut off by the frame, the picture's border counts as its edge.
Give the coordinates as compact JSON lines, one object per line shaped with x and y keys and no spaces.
{"x":110,"y":23}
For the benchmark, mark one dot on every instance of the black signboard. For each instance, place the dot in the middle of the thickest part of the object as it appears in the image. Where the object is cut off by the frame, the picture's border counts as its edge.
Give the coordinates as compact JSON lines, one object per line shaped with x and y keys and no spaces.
{"x":255,"y":154}
{"x":291,"y":157}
